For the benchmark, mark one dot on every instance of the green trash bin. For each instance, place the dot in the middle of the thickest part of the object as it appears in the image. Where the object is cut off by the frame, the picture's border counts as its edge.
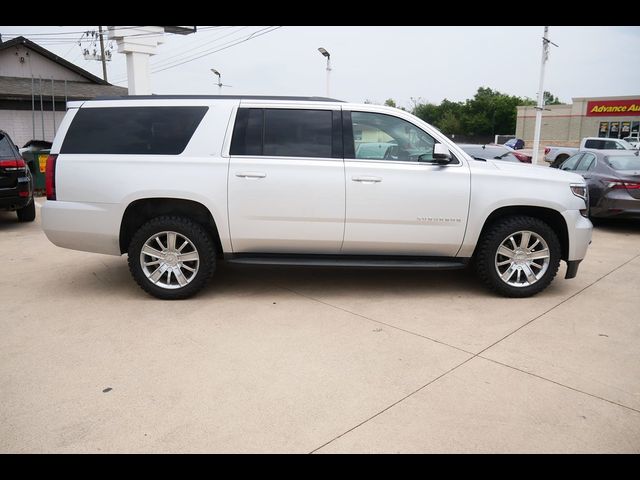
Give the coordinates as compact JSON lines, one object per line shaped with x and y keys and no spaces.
{"x":37,"y":162}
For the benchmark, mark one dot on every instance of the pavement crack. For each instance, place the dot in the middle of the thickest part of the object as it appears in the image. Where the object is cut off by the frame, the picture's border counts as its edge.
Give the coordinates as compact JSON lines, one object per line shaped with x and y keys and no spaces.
{"x":560,"y":384}
{"x":393,"y":404}
{"x":557,"y":305}
{"x":375,"y":321}
{"x":473,"y":355}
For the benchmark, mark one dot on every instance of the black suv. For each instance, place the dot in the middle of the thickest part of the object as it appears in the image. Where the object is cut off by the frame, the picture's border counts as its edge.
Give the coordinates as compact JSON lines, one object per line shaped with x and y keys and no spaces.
{"x":16,"y":182}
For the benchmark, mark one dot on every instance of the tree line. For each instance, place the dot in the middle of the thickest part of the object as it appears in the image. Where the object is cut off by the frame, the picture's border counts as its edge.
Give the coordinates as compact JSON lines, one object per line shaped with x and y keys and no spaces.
{"x":489,"y":112}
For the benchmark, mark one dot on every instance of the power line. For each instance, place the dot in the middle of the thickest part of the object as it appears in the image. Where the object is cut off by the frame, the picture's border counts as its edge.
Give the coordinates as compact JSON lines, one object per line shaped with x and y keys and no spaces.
{"x":218,"y":48}
{"x":255,"y":34}
{"x":208,"y":43}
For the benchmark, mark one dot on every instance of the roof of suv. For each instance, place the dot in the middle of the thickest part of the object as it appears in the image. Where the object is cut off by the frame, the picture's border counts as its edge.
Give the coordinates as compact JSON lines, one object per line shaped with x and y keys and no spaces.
{"x":220,"y":97}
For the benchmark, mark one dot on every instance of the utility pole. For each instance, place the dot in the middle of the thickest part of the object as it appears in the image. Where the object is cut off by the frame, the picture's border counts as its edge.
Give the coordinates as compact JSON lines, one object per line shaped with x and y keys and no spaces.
{"x":540,"y":106}
{"x":104,"y":60}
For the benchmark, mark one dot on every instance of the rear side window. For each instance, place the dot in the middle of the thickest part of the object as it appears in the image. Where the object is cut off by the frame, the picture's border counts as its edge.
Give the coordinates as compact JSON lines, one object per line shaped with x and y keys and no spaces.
{"x":297,"y":133}
{"x":281,"y":132}
{"x":597,"y":144}
{"x":132,"y":130}
{"x":7,"y":149}
{"x":587,"y":162}
{"x":247,"y":132}
{"x":572,"y":162}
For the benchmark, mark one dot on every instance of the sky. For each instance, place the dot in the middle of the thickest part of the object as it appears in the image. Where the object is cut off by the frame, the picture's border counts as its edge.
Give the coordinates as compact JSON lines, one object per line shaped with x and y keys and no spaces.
{"x":374,"y":63}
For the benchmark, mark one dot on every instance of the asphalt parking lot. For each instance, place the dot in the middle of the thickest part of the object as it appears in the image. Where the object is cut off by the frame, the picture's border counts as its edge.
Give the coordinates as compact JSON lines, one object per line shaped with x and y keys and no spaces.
{"x":316,"y":360}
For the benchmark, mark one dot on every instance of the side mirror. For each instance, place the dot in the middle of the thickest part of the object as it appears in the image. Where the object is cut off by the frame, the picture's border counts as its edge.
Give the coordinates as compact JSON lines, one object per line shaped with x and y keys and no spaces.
{"x":441,"y":154}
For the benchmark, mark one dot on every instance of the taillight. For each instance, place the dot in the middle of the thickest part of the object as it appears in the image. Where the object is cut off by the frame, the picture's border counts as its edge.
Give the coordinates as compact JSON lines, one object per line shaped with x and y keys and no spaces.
{"x":13,"y":164}
{"x":547,"y":150}
{"x":622,"y":185}
{"x":50,"y":177}
{"x":522,"y":157}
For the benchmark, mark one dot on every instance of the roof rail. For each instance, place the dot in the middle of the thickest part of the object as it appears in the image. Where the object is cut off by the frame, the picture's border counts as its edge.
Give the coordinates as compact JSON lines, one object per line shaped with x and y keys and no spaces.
{"x":220,"y":97}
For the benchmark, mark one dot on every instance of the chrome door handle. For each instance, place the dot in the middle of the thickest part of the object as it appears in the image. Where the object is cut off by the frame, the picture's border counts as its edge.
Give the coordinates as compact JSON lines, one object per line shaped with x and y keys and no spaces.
{"x":367,"y":179}
{"x":251,"y":174}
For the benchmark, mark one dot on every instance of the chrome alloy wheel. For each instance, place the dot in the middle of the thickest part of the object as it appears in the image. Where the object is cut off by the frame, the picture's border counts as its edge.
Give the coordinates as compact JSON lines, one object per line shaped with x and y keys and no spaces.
{"x":169,"y":259}
{"x":522,"y":259}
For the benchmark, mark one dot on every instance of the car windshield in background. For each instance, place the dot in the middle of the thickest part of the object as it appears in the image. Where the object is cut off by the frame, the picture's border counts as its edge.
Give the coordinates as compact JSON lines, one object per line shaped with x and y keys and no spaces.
{"x":487,"y":152}
{"x":626,"y":162}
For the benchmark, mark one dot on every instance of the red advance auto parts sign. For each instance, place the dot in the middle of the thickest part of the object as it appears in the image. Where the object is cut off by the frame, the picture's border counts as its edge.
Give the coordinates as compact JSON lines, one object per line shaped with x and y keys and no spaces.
{"x":613,"y":107}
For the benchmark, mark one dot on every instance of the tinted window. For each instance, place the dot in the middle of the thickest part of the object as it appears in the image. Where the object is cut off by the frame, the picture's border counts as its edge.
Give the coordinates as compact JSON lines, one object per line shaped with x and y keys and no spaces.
{"x":587,"y":162}
{"x":598,"y":144}
{"x":297,"y":133}
{"x":384,"y":137}
{"x":7,"y":150}
{"x":247,"y":132}
{"x":132,"y":130}
{"x":571,"y":163}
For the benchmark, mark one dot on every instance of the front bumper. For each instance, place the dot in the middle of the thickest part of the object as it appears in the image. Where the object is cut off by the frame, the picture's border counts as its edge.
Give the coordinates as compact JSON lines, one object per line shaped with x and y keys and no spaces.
{"x":579,"y":230}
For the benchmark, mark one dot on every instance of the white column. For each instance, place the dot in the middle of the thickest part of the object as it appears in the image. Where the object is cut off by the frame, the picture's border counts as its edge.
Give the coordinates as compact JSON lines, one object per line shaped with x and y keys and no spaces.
{"x":138,"y":44}
{"x":138,"y":75}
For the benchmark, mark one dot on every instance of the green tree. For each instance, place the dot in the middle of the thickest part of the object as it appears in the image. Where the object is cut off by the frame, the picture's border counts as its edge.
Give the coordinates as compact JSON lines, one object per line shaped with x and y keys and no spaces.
{"x":489,"y":112}
{"x":390,"y":102}
{"x":550,"y":99}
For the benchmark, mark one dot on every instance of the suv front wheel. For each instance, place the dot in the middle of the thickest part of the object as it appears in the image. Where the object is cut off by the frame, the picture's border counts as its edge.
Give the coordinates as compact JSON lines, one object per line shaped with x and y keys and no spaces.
{"x":171,"y":257}
{"x":518,"y":256}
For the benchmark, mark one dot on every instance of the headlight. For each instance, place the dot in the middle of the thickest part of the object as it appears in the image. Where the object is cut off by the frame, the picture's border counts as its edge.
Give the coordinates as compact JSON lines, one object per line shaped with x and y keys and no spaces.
{"x":583,"y":192}
{"x":579,"y":191}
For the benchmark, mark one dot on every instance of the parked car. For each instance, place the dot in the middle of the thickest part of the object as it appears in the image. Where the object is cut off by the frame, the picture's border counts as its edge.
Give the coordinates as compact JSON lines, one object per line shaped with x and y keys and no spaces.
{"x":515,"y":143}
{"x":556,"y":155}
{"x":180,"y":183}
{"x":634,"y":141}
{"x":16,"y":184}
{"x":519,"y":154}
{"x":494,"y":152}
{"x":613,"y":179}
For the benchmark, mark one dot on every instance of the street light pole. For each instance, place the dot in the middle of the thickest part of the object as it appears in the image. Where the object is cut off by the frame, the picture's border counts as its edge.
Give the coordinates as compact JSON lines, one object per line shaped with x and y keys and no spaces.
{"x":328,"y":56}
{"x":215,"y":72}
{"x":540,"y":106}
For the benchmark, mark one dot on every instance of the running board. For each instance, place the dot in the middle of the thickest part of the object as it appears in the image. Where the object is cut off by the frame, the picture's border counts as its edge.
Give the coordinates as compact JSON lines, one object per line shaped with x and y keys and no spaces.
{"x":352,"y":261}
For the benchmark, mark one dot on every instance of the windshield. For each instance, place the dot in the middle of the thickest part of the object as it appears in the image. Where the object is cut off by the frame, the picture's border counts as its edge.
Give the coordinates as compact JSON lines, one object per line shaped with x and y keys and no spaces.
{"x":627,"y":145}
{"x":626,"y":162}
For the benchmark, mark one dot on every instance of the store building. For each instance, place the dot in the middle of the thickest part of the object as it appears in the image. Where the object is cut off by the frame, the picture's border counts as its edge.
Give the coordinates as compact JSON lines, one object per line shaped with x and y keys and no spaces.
{"x":35,"y":85}
{"x":566,"y":125}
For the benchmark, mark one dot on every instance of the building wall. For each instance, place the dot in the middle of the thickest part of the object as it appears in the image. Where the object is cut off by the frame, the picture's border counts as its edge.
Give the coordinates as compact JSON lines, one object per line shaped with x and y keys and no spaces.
{"x":18,"y":124}
{"x":21,"y":62}
{"x":565,"y":125}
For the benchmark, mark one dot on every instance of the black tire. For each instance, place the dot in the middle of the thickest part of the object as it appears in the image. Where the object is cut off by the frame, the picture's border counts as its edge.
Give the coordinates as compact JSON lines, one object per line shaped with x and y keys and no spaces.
{"x":485,"y":258}
{"x":195,"y":233}
{"x":28,"y":213}
{"x":559,"y":161}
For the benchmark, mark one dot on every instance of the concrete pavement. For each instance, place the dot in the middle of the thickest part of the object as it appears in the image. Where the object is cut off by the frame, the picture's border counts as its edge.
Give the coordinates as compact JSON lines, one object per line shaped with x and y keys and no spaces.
{"x":302,"y":360}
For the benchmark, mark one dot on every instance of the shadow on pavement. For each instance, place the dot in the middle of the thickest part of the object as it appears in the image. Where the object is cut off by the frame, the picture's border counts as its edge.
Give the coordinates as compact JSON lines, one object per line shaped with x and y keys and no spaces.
{"x":617,"y":225}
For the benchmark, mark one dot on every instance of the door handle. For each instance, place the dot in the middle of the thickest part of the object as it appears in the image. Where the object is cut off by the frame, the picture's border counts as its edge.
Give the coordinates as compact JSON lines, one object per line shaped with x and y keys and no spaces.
{"x":251,"y":174}
{"x":367,"y":179}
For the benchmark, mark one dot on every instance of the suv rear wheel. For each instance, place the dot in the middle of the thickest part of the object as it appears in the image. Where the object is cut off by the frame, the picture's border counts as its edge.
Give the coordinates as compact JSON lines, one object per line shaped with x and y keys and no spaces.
{"x":171,"y":257}
{"x":518,"y":256}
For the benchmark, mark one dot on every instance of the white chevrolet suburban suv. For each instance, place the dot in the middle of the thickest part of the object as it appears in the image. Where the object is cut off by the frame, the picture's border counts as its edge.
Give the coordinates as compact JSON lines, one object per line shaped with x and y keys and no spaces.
{"x":182,"y":182}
